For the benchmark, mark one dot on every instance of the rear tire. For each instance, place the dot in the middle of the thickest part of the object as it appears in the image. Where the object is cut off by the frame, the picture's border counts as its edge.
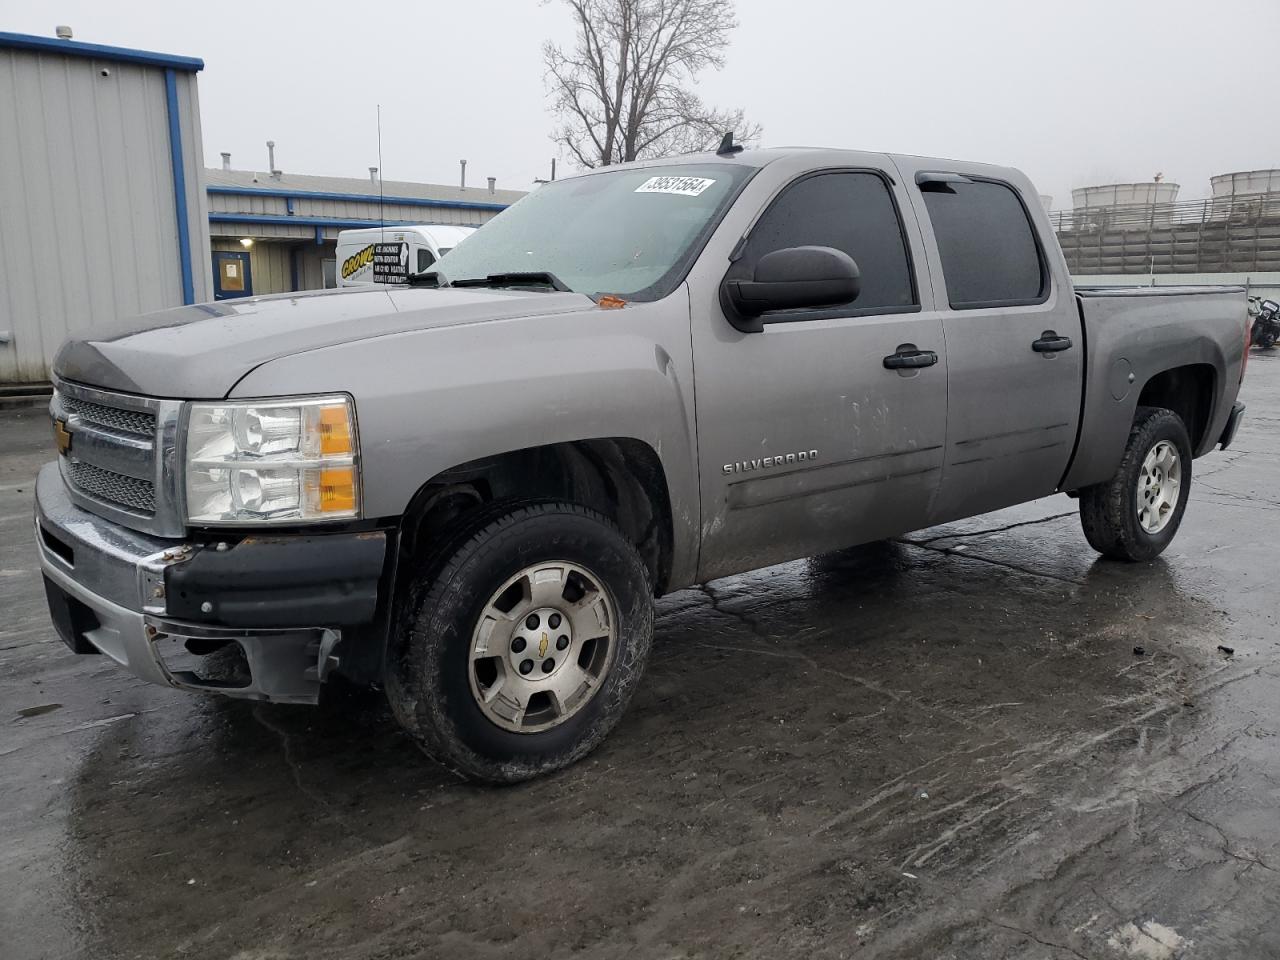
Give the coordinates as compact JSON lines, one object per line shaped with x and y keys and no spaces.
{"x":1135,"y":515}
{"x":494,"y":696}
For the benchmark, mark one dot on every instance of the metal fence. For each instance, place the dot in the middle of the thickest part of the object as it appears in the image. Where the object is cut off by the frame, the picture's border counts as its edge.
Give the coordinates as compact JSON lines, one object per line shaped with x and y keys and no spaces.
{"x":1221,"y":234}
{"x":1231,"y":209}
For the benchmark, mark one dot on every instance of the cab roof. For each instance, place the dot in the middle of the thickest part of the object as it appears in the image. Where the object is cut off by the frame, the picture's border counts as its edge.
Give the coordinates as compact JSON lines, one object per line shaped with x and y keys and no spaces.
{"x":764,"y":156}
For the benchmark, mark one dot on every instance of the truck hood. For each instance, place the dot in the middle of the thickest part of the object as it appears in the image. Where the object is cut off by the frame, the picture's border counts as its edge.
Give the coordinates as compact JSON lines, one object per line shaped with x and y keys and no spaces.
{"x":203,"y":350}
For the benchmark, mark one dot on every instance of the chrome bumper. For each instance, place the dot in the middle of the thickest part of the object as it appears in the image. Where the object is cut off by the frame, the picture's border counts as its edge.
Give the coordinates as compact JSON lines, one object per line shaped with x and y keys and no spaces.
{"x":116,"y":576}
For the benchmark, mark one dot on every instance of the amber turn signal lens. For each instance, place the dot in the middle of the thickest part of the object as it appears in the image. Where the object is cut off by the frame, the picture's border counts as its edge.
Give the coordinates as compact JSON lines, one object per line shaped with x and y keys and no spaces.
{"x":335,"y":431}
{"x":337,"y":490}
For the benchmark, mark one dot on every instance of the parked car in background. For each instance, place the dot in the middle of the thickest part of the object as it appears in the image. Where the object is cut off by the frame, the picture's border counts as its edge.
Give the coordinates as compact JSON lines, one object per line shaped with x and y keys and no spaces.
{"x":391,"y":255}
{"x":470,"y":489}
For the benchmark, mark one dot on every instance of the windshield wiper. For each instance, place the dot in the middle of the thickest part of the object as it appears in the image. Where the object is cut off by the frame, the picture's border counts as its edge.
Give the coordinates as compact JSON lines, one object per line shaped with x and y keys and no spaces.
{"x":530,"y":278}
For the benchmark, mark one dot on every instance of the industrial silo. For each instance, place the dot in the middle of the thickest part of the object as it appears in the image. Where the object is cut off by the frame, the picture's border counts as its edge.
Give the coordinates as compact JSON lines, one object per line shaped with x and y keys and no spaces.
{"x":1124,"y":195}
{"x":1123,"y":206}
{"x":1245,"y":196}
{"x":1248,"y":183}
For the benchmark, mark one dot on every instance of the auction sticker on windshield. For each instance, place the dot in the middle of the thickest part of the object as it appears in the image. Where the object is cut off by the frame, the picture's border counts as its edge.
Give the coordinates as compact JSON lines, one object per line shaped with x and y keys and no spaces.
{"x":681,"y":186}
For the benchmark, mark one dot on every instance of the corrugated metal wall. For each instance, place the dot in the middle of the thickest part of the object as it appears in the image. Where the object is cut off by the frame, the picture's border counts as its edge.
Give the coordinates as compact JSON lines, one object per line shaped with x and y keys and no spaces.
{"x":88,"y":227}
{"x":355,"y":210}
{"x":268,"y":264}
{"x":272,"y":263}
{"x":311,"y":258}
{"x":246,"y":204}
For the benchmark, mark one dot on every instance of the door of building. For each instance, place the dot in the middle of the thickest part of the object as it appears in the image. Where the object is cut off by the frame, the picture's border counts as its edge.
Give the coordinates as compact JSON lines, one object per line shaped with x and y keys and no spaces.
{"x":232,"y":275}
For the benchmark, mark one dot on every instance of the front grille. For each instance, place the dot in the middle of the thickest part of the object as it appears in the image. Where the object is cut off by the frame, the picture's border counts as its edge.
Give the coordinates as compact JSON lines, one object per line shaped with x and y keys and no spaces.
{"x":137,"y":423}
{"x":114,"y":489}
{"x":114,"y":464}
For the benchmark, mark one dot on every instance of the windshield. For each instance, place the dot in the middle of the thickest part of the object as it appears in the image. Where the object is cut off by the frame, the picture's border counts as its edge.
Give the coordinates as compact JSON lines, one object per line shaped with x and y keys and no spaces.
{"x":630,"y":233}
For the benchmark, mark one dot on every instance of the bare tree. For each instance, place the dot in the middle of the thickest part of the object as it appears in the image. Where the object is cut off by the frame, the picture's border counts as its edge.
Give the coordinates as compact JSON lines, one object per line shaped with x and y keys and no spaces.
{"x":623,"y":90}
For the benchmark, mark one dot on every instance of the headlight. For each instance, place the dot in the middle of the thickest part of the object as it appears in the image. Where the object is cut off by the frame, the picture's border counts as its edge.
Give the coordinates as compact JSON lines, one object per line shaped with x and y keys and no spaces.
{"x":274,"y":461}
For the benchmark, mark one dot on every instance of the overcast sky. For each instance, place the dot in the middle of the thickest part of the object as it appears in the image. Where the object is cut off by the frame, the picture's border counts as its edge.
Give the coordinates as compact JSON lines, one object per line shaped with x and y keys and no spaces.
{"x":1072,"y":91}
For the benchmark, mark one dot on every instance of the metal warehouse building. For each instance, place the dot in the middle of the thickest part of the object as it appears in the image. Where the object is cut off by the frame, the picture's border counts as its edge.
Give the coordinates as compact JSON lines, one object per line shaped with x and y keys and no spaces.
{"x":292,"y":221}
{"x":107,"y":210}
{"x":102,"y":205}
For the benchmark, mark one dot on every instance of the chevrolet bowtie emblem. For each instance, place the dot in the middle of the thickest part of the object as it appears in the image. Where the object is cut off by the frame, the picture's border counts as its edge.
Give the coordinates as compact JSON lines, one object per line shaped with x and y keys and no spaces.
{"x":62,"y":436}
{"x":542,"y":646}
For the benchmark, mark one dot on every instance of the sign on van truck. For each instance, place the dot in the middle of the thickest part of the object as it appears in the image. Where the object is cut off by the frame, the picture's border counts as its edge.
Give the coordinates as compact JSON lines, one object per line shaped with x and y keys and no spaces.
{"x":359,"y":265}
{"x":379,"y":262}
{"x":391,"y":262}
{"x":380,"y":255}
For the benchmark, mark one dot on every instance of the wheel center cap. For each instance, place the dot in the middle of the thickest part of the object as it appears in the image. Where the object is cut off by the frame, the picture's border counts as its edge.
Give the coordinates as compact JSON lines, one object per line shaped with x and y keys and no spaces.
{"x":540,"y":644}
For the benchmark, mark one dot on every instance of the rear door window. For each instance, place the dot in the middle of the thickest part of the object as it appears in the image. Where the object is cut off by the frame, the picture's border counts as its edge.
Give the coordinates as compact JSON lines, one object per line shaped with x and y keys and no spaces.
{"x":852,"y":211}
{"x":990,"y":255}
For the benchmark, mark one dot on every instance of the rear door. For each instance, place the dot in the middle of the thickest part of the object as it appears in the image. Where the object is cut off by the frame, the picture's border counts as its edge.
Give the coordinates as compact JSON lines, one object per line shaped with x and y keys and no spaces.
{"x":808,"y":440}
{"x":1013,"y":339}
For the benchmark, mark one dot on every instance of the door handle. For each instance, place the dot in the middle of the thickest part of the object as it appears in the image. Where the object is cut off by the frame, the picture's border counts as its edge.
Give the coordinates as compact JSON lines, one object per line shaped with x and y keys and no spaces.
{"x":909,"y":359}
{"x":1050,"y":342}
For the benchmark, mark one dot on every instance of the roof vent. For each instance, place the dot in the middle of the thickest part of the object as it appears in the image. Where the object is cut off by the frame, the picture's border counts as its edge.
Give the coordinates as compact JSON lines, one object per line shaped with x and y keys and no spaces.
{"x":62,"y":32}
{"x":226,"y":160}
{"x":493,"y":184}
{"x":373,"y":175}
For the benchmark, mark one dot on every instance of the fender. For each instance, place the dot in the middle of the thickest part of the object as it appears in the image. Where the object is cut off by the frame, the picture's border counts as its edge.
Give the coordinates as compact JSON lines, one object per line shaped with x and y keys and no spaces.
{"x":431,"y":399}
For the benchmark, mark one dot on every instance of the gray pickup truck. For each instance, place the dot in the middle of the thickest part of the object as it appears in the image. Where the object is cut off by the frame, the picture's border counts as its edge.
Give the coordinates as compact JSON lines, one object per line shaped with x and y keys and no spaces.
{"x":469,"y":490}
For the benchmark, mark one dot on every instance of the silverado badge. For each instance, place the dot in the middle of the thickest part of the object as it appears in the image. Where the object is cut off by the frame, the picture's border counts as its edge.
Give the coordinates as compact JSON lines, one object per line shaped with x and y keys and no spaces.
{"x":62,"y":436}
{"x":765,"y":463}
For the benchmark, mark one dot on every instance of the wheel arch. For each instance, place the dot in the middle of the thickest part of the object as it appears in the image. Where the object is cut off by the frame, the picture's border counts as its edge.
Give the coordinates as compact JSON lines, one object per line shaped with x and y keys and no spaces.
{"x":1194,"y":391}
{"x":622,"y":478}
{"x":1188,"y":391}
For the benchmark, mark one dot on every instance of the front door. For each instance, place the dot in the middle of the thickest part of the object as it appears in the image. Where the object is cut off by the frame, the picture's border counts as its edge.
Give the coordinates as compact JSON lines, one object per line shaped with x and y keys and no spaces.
{"x":808,"y":440}
{"x":232,"y":274}
{"x":1015,"y":351}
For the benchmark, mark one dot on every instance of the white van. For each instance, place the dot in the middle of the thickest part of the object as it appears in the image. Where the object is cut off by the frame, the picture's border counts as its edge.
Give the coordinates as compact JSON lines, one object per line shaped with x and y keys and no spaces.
{"x":391,"y":254}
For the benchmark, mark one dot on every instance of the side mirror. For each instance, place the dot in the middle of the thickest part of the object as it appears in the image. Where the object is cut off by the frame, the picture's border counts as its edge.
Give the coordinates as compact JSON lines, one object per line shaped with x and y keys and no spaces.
{"x":790,"y":279}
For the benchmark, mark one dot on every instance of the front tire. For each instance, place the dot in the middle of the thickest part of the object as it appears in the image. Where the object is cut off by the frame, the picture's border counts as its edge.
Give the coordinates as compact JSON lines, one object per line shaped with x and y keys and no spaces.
{"x":1135,"y":515}
{"x":493,"y":694}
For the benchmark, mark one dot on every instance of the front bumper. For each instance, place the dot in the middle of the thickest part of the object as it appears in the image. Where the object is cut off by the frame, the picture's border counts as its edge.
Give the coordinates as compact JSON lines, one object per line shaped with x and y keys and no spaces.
{"x":157,"y":606}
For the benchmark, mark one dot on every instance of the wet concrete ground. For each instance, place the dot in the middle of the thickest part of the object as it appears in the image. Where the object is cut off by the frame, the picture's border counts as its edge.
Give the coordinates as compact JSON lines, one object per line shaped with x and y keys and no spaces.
{"x":944,"y":747}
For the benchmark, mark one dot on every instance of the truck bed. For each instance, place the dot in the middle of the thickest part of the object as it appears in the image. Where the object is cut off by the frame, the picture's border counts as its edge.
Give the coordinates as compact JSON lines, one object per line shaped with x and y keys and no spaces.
{"x":1140,"y":292}
{"x":1134,"y":333}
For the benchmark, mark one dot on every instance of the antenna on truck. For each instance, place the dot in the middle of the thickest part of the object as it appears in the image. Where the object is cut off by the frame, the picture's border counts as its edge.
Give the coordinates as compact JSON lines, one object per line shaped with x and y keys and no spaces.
{"x":382,"y":217}
{"x":727,"y":147}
